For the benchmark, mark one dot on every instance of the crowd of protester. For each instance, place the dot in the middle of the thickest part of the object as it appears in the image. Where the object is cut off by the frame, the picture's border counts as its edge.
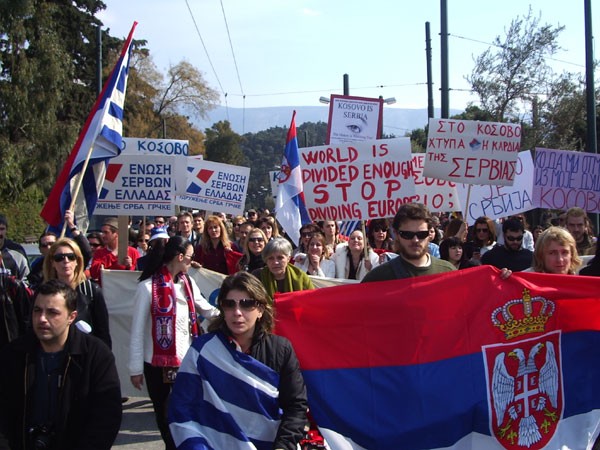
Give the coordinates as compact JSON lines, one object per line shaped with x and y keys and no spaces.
{"x":259,"y":260}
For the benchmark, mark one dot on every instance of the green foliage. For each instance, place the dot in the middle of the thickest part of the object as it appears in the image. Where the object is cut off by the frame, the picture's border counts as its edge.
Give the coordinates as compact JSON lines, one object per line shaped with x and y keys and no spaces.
{"x":223,"y":144}
{"x":24,"y":221}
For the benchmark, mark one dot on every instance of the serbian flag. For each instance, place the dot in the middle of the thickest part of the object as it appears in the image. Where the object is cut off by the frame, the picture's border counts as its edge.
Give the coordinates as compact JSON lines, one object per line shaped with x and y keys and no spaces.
{"x":102,"y":136}
{"x":463,"y":360}
{"x":290,"y":208}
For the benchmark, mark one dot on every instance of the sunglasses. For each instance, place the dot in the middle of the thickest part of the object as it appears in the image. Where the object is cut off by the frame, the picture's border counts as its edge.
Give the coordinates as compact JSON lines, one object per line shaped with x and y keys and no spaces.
{"x":307,"y":235}
{"x":48,"y":245}
{"x":58,"y":257}
{"x":247,"y":304}
{"x":258,"y":239}
{"x":409,"y":235}
{"x":481,"y":230}
{"x":143,"y":240}
{"x":377,"y":229}
{"x":514,"y":239}
{"x":95,"y":245}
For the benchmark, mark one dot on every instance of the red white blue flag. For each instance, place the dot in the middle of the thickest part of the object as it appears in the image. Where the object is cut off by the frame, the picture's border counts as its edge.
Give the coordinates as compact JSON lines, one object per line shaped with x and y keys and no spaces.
{"x":291,"y":208}
{"x":102,"y":133}
{"x":463,"y":360}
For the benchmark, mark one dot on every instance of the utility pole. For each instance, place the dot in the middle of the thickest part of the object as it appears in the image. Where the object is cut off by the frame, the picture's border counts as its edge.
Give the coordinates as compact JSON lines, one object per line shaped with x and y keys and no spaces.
{"x":592,"y":139}
{"x":346,"y":85}
{"x":430,"y":111}
{"x":444,"y":60}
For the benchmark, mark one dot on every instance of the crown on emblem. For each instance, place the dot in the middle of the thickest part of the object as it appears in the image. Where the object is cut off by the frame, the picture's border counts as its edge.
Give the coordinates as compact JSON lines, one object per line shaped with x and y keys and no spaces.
{"x":523,"y":315}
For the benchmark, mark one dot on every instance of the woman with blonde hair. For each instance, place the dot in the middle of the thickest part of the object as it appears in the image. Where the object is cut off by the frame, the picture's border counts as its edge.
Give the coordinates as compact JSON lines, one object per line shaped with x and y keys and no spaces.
{"x":556,"y":252}
{"x":211,"y":252}
{"x":64,"y":262}
{"x":254,"y":244}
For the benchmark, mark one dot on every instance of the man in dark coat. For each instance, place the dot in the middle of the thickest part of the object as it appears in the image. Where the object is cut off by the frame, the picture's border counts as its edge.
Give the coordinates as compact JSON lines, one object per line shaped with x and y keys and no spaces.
{"x":58,"y":386}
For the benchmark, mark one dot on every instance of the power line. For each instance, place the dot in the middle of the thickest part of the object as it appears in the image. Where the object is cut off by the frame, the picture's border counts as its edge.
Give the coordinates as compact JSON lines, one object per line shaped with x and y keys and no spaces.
{"x":500,"y":46}
{"x":208,"y":56}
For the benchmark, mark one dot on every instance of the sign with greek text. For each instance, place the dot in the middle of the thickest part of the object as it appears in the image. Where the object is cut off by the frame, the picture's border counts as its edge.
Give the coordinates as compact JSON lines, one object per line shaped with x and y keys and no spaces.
{"x":138,"y":185}
{"x":163,"y":147}
{"x":360,"y":180}
{"x":437,"y":195}
{"x":354,"y":119}
{"x":564,"y":179}
{"x":214,"y":186}
{"x":496,"y":201}
{"x":472,"y":152}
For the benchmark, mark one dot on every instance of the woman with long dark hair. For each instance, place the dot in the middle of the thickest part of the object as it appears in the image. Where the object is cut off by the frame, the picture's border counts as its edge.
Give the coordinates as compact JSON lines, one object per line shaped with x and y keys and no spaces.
{"x":164,"y":323}
{"x":240,"y":386}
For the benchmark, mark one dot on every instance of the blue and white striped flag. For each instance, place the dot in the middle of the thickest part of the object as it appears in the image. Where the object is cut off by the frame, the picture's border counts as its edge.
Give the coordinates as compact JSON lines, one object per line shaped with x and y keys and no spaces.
{"x":102,"y":134}
{"x":223,"y":399}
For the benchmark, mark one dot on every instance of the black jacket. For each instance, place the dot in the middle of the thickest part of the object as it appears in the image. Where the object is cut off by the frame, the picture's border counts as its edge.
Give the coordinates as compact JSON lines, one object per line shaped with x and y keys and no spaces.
{"x":277,"y":353}
{"x":89,"y":408}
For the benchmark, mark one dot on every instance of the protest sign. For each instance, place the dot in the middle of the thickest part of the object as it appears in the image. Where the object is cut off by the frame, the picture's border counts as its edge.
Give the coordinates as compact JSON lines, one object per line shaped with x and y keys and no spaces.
{"x":137,"y":185}
{"x":360,"y":180}
{"x":500,"y":201}
{"x":437,"y":195}
{"x":354,"y":119}
{"x":214,"y":186}
{"x":274,"y":182}
{"x":564,"y":179}
{"x":472,"y":152}
{"x":144,"y":146}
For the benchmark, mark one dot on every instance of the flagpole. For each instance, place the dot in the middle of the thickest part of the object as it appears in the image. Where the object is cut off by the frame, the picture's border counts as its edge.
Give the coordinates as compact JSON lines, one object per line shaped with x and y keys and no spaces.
{"x":364,"y":232}
{"x":78,"y":185}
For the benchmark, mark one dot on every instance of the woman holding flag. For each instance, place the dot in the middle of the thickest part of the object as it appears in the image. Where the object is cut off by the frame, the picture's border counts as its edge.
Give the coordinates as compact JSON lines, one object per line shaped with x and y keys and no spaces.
{"x":164,"y":323}
{"x":239,"y":386}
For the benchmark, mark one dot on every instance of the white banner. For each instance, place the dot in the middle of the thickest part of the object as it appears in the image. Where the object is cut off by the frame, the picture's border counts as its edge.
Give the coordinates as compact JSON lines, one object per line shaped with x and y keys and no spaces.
{"x":359,"y":180}
{"x":437,"y":195}
{"x":138,"y":185}
{"x":161,"y":147}
{"x":214,"y":186}
{"x":472,"y":152}
{"x":354,"y":119}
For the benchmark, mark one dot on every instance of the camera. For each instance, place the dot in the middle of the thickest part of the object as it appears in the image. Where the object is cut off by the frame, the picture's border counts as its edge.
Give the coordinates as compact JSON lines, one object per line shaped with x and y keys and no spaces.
{"x":41,"y":437}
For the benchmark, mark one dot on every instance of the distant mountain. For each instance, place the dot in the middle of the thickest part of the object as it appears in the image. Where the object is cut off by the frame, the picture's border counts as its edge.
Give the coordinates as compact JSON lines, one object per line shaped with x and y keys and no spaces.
{"x":396,"y":121}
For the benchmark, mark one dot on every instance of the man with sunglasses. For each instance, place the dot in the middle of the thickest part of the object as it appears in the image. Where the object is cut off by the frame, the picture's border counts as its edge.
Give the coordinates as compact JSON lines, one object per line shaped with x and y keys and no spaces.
{"x":411,"y":225}
{"x":511,"y":254}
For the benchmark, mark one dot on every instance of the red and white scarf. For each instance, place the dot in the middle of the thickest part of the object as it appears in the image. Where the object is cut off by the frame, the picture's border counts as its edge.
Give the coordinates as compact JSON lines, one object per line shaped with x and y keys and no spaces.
{"x":164,"y":313}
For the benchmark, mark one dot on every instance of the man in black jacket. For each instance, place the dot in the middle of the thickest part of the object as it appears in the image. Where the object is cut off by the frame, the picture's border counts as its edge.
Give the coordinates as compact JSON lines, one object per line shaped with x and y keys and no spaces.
{"x":58,"y":386}
{"x":511,"y":255}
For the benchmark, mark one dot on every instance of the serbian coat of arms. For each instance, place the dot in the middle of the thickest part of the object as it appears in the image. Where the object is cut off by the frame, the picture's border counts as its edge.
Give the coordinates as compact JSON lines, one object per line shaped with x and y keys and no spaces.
{"x":524,"y":376}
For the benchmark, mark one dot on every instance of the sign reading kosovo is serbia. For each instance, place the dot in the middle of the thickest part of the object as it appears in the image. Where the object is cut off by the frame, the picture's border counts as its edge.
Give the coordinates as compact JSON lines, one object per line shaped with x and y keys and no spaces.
{"x":214,"y":186}
{"x":472,"y":152}
{"x":358,"y":180}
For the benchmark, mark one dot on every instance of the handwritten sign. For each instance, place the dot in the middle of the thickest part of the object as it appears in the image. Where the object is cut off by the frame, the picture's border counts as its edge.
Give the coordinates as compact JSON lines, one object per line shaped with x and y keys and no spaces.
{"x":361,"y":180}
{"x":354,"y":119}
{"x":472,"y":152}
{"x":564,"y":179}
{"x":138,"y":185}
{"x":214,"y":186}
{"x":144,"y":146}
{"x":437,"y":195}
{"x":501,"y":201}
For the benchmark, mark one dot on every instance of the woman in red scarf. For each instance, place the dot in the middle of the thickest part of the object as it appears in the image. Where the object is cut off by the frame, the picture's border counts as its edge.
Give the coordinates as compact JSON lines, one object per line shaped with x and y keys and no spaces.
{"x":164,"y":323}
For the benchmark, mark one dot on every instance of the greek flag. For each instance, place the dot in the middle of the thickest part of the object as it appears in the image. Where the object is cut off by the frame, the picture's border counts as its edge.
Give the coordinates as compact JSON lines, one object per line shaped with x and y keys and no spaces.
{"x":223,"y":399}
{"x":99,"y":140}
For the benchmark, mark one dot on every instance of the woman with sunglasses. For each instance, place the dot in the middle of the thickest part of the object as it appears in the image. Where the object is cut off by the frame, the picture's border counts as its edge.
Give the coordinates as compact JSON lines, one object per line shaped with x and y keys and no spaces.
{"x":379,"y":238}
{"x":254,"y":245}
{"x":240,"y":386}
{"x":164,"y":324}
{"x":484,"y":238}
{"x":350,"y":260}
{"x":65,"y":262}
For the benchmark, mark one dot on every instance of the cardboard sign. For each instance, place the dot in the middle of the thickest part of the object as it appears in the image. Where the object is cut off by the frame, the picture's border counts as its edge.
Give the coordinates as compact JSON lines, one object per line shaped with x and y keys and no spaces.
{"x":165,"y":147}
{"x":437,"y":195}
{"x":564,"y":179}
{"x":501,"y":201}
{"x":354,"y":119}
{"x":472,"y":152}
{"x":360,"y":180}
{"x":214,"y":186}
{"x":138,"y":185}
